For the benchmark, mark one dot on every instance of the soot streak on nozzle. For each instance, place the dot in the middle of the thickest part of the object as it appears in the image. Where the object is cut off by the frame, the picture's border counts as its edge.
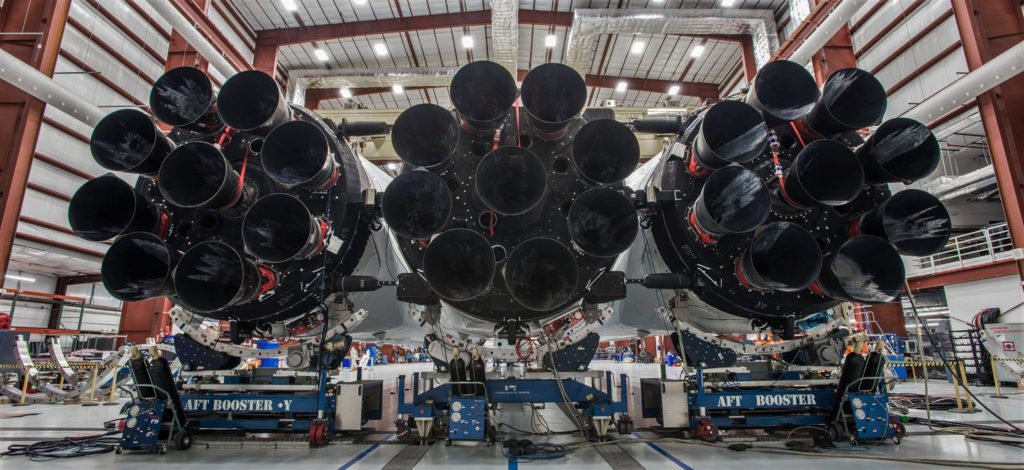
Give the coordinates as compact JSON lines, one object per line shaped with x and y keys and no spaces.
{"x":733,"y":200}
{"x":128,"y":140}
{"x":782,"y":256}
{"x":107,"y":206}
{"x":602,"y":222}
{"x":541,"y":274}
{"x":138,"y":266}
{"x":605,"y":151}
{"x":212,"y":276}
{"x":459,"y":264}
{"x":417,"y":204}
{"x":730,"y":132}
{"x":851,"y":99}
{"x":425,"y":135}
{"x":280,"y":228}
{"x":915,"y":222}
{"x":864,"y":269}
{"x":183,"y":97}
{"x":511,"y":180}
{"x":483,"y":93}
{"x":900,"y":150}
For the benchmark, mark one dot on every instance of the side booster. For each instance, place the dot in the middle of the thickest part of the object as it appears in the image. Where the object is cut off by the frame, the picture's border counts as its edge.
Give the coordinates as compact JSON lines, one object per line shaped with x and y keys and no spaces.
{"x":774,"y":207}
{"x":238,"y":213}
{"x":511,"y":213}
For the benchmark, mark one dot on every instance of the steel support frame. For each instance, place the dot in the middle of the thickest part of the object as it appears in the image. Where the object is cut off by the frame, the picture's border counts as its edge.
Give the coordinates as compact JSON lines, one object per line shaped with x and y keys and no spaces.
{"x":32,"y":31}
{"x":196,"y":13}
{"x":837,"y":54}
{"x":988,"y":28}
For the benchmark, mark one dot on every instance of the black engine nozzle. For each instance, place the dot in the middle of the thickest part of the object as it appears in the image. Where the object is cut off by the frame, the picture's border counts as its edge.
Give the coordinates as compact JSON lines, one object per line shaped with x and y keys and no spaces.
{"x":553,"y":94}
{"x":605,"y":151}
{"x":783,"y":91}
{"x":183,"y":97}
{"x":280,"y":228}
{"x":425,"y":135}
{"x":782,"y":256}
{"x":138,"y":266}
{"x":251,"y":101}
{"x":459,"y":264}
{"x":128,"y":140}
{"x":915,"y":222}
{"x":864,"y":269}
{"x":511,"y":180}
{"x":733,"y":200}
{"x":107,"y":206}
{"x":824,"y":174}
{"x":602,"y":222}
{"x":417,"y":204}
{"x":851,"y":99}
{"x":212,"y":276}
{"x":483,"y":92}
{"x":730,"y":132}
{"x":541,"y":274}
{"x":197,"y":175}
{"x":296,"y":153}
{"x":901,"y":150}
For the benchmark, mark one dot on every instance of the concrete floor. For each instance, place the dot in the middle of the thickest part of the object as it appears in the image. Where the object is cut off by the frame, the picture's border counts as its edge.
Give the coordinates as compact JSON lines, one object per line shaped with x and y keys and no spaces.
{"x":56,"y":421}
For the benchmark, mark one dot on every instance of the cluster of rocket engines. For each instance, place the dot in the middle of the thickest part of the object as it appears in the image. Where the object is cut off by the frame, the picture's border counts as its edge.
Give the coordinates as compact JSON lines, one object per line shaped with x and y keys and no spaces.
{"x":512,"y":208}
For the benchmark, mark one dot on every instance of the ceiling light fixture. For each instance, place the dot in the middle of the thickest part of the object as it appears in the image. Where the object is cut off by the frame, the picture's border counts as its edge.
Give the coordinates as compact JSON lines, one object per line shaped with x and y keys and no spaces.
{"x":381,"y":49}
{"x":397,"y":89}
{"x":359,"y":2}
{"x":673,"y":90}
{"x":392,"y":166}
{"x":290,"y":5}
{"x":346,"y":93}
{"x":20,"y":278}
{"x":550,"y":40}
{"x":728,"y":3}
{"x":320,"y":54}
{"x":637,"y":47}
{"x":621,"y":87}
{"x":467,"y":42}
{"x":697,"y":51}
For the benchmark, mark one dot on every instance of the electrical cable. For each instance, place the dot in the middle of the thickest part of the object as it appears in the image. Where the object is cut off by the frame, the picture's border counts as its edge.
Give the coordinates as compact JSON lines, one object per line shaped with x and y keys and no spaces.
{"x":66,"y":447}
{"x":561,"y":388}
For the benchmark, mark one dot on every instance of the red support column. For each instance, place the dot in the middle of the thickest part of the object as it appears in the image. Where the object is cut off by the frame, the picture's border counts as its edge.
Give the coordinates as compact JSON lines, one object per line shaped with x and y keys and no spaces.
{"x":987,"y":29}
{"x":837,"y":54}
{"x":264,"y":57}
{"x":42,"y":25}
{"x":144,"y":319}
{"x":180,"y":53}
{"x":749,"y":61}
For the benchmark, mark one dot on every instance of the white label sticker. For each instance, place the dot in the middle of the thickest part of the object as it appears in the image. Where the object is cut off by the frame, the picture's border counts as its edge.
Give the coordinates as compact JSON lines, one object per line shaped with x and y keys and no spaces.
{"x":334,"y":245}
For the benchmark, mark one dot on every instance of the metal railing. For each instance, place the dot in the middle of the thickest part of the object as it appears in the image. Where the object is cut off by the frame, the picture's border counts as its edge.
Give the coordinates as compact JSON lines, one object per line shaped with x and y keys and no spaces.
{"x":970,"y":249}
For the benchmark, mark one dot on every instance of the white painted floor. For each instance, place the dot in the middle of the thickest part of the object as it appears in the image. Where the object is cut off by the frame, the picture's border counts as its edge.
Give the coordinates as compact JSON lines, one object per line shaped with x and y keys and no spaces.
{"x":56,"y":421}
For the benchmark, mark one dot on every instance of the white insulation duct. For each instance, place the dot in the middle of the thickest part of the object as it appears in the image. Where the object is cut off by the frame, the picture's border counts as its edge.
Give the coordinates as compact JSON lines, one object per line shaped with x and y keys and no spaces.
{"x":990,"y":75}
{"x":194,"y":38}
{"x":835,"y":20}
{"x":589,"y":24}
{"x":505,"y":34}
{"x":31,"y":81}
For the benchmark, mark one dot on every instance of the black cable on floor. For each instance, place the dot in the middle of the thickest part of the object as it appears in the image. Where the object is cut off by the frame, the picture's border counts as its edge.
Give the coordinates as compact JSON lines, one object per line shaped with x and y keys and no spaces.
{"x":66,"y":448}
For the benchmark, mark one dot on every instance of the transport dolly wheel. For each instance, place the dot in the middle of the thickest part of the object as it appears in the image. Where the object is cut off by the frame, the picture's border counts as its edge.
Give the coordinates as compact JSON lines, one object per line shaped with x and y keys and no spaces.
{"x":161,"y":450}
{"x":899,"y":431}
{"x":706,"y":431}
{"x":182,"y":440}
{"x":835,"y":432}
{"x":318,"y":434}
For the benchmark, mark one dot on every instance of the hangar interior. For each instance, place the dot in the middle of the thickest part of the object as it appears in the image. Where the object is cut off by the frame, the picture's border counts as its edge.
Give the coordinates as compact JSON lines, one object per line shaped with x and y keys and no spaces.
{"x":429,"y":233}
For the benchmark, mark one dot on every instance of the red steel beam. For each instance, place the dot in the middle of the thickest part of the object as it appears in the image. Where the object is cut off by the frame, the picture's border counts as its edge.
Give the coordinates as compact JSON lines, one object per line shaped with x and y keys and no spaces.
{"x":21,"y":113}
{"x":973,"y":273}
{"x":889,"y":27}
{"x":297,"y":35}
{"x":749,"y":60}
{"x":837,"y":54}
{"x":180,"y":53}
{"x":698,"y":89}
{"x":197,"y":17}
{"x":805,"y":28}
{"x":912,"y":42}
{"x":988,"y":29}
